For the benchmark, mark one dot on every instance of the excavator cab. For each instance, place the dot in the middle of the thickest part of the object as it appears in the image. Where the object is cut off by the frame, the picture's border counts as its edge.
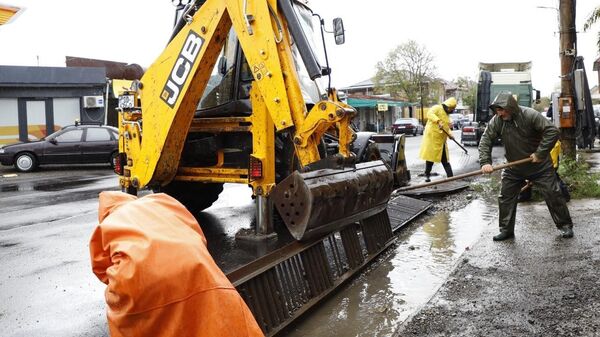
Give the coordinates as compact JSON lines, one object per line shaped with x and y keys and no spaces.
{"x":238,"y":97}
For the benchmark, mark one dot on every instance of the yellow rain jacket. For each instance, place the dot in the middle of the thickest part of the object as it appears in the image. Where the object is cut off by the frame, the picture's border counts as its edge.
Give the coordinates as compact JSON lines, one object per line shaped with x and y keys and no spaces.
{"x":161,"y":280}
{"x":554,"y":153}
{"x":434,"y":138}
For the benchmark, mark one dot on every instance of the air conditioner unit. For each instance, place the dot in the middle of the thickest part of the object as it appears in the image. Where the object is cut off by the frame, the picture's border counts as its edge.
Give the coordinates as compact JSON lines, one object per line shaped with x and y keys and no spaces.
{"x":93,"y":101}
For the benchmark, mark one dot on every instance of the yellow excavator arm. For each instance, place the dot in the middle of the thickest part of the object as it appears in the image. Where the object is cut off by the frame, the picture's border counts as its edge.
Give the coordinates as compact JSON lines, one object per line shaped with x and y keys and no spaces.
{"x":171,"y":88}
{"x":313,"y":195}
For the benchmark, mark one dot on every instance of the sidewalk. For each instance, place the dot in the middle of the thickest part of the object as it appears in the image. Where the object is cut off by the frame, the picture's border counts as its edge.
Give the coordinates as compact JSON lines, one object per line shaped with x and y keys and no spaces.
{"x":535,"y":285}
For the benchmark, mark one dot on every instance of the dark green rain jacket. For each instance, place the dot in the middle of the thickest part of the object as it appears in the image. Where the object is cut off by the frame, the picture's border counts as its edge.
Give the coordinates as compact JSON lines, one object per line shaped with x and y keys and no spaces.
{"x":527,"y":132}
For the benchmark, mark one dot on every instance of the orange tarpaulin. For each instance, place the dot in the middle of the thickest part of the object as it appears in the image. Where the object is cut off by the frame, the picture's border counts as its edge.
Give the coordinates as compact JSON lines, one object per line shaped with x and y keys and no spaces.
{"x":161,"y":278}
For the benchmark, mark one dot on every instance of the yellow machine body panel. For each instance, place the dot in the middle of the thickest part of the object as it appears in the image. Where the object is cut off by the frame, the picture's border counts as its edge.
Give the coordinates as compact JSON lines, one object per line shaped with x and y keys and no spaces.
{"x":154,"y":128}
{"x":172,"y":86}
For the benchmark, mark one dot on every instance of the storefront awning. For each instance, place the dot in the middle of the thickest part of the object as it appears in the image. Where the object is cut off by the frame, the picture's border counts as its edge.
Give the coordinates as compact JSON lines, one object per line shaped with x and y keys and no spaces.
{"x":372,"y":103}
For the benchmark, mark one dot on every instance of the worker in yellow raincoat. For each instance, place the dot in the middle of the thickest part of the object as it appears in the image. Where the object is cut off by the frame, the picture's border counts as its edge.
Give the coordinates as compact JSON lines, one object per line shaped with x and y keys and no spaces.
{"x":433,"y":147}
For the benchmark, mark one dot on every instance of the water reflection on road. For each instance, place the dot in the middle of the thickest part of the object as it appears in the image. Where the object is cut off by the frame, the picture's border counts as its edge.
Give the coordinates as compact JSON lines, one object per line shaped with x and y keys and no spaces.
{"x":375,"y":303}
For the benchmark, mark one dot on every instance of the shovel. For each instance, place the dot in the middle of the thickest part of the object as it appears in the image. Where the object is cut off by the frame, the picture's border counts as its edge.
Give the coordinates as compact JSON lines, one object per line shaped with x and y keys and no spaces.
{"x":457,"y":143}
{"x":462,"y":176}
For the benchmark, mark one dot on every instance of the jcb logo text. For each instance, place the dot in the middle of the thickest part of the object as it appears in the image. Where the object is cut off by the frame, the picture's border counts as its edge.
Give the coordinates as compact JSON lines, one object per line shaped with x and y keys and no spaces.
{"x":181,"y":69}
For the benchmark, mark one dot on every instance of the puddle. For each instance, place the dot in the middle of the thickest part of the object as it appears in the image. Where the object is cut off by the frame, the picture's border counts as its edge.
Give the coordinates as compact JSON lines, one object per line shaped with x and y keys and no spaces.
{"x":221,"y":222}
{"x":376,"y":302}
{"x":44,"y":186}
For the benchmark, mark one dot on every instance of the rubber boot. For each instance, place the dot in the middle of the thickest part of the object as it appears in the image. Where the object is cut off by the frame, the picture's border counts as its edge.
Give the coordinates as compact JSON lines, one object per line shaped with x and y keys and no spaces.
{"x":428,"y":167}
{"x":504,"y":236}
{"x":566,"y":232}
{"x":448,"y":170}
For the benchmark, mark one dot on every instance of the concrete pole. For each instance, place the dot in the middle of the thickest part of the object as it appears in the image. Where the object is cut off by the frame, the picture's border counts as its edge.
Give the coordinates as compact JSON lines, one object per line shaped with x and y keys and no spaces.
{"x":568,"y":51}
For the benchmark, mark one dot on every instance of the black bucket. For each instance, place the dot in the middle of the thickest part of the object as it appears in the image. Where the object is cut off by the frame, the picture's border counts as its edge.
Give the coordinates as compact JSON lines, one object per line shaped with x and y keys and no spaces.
{"x":323,"y":201}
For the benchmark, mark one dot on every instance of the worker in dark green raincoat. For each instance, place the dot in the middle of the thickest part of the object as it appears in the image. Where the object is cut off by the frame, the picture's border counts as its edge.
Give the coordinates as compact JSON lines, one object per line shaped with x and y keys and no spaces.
{"x":524,"y":133}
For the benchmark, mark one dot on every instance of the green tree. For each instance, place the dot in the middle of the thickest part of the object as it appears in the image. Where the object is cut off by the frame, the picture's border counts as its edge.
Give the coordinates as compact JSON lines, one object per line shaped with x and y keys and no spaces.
{"x":592,"y":18}
{"x":468,"y":89}
{"x":406,"y":71}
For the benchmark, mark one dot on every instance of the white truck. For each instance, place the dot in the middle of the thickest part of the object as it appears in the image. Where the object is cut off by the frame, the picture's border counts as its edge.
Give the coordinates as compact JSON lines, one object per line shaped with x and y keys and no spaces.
{"x":514,"y":77}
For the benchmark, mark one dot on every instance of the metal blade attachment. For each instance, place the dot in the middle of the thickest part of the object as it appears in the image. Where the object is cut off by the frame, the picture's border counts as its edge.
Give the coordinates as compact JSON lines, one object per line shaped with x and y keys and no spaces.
{"x":322,"y":201}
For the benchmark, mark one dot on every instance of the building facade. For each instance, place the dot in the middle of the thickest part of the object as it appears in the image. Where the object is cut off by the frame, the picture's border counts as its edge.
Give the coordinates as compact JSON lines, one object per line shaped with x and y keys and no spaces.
{"x":376,"y":113}
{"x":36,"y":101}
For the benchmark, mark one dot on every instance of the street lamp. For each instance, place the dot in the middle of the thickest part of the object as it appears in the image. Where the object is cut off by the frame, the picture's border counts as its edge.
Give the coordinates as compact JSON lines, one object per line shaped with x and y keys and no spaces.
{"x":557,"y":14}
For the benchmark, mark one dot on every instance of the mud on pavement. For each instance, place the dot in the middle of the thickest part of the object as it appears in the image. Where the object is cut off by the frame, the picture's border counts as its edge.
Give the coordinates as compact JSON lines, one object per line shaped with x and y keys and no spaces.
{"x":535,"y":285}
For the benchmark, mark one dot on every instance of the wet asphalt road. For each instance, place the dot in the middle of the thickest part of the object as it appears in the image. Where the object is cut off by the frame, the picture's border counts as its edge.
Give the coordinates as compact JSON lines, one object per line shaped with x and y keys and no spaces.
{"x":47,"y":287}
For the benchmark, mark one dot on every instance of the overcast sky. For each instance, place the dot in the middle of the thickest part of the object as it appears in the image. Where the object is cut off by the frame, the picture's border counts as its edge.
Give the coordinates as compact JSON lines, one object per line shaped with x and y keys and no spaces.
{"x":459,"y":33}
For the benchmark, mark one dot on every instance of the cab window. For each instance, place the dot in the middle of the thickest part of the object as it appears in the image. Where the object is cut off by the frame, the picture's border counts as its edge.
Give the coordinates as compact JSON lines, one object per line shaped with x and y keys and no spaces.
{"x":219,"y":89}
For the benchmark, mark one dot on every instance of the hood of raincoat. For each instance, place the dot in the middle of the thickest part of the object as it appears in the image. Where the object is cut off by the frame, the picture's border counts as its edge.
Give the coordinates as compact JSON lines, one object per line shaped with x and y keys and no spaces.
{"x":110,"y":201}
{"x":450,"y":103}
{"x":160,"y":276}
{"x":506,"y":101}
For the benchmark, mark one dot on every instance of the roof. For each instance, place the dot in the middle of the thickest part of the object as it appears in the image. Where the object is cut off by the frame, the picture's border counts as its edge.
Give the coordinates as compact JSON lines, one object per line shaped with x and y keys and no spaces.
{"x":114,"y":70}
{"x":17,"y":76}
{"x":9,"y":13}
{"x":505,"y":66}
{"x":363,"y":84}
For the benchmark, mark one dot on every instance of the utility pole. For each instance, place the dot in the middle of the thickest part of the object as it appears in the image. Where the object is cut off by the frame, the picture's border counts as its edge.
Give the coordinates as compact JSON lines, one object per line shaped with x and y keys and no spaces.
{"x":568,"y":52}
{"x":422,"y":107}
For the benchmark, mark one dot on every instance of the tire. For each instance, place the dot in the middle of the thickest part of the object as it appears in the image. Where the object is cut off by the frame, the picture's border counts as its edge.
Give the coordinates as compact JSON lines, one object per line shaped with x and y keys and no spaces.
{"x":371,"y":153}
{"x":415,"y":133}
{"x":286,"y":160}
{"x":196,"y":197}
{"x":25,"y":162}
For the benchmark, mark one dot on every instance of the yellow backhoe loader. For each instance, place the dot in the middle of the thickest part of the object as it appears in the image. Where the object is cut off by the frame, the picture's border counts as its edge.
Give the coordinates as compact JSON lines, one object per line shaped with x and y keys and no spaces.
{"x":235,"y":98}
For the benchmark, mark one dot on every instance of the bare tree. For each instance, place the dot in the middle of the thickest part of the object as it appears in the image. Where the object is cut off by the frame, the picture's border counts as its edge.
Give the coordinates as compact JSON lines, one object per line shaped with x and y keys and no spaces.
{"x":405,"y":71}
{"x":591,"y":19}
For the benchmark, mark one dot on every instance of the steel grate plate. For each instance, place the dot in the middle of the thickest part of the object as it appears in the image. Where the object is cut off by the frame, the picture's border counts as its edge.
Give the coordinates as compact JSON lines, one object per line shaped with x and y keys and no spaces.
{"x":403,"y":209}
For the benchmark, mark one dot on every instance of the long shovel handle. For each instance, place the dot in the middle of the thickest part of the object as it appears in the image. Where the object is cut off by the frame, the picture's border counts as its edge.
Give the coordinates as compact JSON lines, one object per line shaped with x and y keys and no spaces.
{"x":457,"y":143}
{"x":464,"y":175}
{"x":527,"y":186}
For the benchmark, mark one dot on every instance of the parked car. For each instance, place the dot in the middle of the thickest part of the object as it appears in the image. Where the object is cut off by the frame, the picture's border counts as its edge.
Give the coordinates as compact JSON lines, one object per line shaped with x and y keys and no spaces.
{"x":457,"y":121}
{"x":407,"y":126}
{"x":77,"y":144}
